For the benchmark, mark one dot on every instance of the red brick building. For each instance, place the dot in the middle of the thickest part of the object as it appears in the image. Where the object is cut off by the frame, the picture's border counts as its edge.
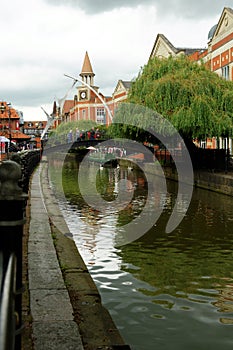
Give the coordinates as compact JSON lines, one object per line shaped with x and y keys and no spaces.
{"x":9,"y":119}
{"x":218,"y":57}
{"x":34,"y":130}
{"x":10,"y":125}
{"x":90,"y":103}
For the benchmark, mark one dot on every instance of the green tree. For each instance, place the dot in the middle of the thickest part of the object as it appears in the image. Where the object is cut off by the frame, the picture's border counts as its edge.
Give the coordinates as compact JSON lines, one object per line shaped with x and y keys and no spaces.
{"x":60,"y":133}
{"x":196,"y":101}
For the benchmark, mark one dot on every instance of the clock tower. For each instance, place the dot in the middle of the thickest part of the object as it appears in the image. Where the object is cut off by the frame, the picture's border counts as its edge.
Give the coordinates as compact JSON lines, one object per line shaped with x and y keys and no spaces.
{"x":87,"y":76}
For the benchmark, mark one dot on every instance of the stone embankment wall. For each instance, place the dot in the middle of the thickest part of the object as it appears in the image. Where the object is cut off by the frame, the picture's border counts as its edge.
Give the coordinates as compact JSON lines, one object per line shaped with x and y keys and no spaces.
{"x":218,"y":182}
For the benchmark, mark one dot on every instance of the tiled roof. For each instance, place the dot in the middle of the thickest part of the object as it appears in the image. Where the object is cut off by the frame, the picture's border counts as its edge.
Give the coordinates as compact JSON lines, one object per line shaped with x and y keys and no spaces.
{"x":189,"y":51}
{"x":87,"y":68}
{"x":127,"y":84}
{"x":176,"y":50}
{"x":13,"y":114}
{"x":15,"y":135}
{"x":67,"y":106}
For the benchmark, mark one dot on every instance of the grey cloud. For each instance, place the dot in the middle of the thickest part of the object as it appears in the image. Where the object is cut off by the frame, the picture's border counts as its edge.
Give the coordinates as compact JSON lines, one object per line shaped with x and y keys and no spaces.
{"x":192,"y":9}
{"x":98,"y":6}
{"x":35,"y":93}
{"x":36,"y":96}
{"x":180,"y":8}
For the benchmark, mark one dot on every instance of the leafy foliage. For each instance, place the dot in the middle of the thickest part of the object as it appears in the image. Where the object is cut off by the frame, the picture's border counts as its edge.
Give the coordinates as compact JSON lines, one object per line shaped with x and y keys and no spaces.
{"x":61,"y":132}
{"x":64,"y":128}
{"x":195,"y":100}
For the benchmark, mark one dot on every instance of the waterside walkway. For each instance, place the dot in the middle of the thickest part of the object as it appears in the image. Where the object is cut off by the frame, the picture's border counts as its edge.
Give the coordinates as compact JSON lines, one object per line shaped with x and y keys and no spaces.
{"x":66,"y":312}
{"x":53,"y":325}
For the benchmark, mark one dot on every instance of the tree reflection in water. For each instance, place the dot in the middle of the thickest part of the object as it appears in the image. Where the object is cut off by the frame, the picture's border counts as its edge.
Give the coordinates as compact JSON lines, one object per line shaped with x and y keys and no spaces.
{"x":183,"y":279}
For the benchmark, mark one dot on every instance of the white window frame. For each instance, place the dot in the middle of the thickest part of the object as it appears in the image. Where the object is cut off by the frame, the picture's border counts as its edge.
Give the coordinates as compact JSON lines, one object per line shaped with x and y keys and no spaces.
{"x":226,"y":72}
{"x":100,"y":115}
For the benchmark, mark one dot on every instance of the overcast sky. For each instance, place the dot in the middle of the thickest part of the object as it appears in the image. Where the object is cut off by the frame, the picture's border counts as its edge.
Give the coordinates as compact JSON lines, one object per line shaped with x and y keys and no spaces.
{"x":41,"y":40}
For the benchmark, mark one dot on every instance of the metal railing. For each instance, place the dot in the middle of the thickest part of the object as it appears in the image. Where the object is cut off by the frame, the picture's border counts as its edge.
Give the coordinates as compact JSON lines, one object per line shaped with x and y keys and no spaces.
{"x":14,"y":182}
{"x":8,"y":314}
{"x":28,"y":160}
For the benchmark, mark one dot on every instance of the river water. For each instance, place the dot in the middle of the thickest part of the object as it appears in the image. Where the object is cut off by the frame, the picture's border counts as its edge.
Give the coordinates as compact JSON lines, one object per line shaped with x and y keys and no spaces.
{"x":164,"y":291}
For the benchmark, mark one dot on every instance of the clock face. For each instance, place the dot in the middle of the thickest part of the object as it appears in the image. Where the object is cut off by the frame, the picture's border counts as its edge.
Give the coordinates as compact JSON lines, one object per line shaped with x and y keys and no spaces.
{"x":83,"y":94}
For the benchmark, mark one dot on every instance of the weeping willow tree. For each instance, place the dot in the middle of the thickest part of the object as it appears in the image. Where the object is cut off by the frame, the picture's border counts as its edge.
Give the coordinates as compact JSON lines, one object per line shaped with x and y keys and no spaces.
{"x":196,"y":101}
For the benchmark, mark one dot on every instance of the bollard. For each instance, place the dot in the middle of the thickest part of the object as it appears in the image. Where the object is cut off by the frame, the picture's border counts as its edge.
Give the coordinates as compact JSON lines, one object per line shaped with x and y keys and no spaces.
{"x":12,"y":218}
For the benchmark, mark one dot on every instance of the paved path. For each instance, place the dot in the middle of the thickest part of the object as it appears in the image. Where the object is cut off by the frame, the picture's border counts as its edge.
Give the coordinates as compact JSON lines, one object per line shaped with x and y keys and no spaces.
{"x":53,"y":325}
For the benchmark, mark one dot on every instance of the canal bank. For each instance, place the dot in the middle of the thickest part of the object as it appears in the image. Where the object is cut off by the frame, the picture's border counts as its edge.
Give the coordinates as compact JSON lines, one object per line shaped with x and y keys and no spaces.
{"x":62,"y":308}
{"x":221,"y":182}
{"x":166,"y":291}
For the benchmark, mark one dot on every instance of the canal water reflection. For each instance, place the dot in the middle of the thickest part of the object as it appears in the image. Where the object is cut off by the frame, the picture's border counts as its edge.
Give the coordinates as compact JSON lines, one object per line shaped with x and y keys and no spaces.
{"x":164,"y":291}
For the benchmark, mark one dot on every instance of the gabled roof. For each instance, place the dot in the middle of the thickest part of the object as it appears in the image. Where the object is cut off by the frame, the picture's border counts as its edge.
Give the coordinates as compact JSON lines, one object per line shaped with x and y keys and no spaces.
{"x":161,"y":37}
{"x":171,"y":49}
{"x":87,"y":68}
{"x":223,"y":24}
{"x":8,"y":112}
{"x":122,"y":85}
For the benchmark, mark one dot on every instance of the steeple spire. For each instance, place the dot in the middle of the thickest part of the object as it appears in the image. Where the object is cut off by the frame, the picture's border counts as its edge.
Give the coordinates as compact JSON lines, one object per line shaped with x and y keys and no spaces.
{"x":87,"y":71}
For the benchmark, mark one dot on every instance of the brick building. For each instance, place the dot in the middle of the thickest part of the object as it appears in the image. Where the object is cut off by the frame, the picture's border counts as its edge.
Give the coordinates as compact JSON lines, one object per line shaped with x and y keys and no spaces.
{"x":218,"y":57}
{"x":87,"y":105}
{"x":11,"y":122}
{"x":34,"y":130}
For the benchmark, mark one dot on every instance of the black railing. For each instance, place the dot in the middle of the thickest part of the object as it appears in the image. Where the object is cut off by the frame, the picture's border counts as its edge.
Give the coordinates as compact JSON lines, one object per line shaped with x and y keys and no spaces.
{"x":28,"y":160}
{"x":14,"y":182}
{"x":59,"y":146}
{"x":8,"y":312}
{"x":202,"y":159}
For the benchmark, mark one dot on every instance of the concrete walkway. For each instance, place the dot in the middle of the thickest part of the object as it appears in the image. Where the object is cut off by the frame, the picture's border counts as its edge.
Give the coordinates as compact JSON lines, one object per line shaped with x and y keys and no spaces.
{"x":52,"y":314}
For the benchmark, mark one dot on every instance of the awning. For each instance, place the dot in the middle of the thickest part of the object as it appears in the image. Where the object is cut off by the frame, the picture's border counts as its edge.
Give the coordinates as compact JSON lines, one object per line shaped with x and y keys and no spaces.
{"x":4,"y":139}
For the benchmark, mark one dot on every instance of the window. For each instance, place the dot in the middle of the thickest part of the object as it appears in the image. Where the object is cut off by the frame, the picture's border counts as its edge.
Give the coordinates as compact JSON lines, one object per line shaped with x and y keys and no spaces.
{"x":225,"y":72}
{"x":100,"y":115}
